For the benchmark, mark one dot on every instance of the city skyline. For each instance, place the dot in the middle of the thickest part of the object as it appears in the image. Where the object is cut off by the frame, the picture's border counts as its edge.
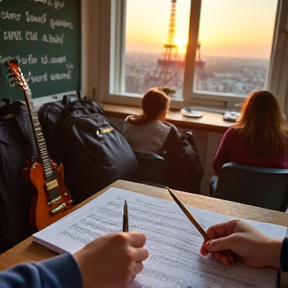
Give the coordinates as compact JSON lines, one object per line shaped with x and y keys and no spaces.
{"x":229,"y":36}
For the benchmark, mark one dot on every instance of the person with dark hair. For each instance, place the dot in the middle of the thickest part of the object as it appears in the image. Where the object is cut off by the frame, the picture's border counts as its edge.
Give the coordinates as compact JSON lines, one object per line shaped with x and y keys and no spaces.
{"x":147,"y":132}
{"x":259,"y":138}
{"x":108,"y":261}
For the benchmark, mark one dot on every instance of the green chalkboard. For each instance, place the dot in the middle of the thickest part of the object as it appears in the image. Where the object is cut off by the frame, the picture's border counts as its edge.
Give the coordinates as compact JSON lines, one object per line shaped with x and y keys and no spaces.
{"x":44,"y":35}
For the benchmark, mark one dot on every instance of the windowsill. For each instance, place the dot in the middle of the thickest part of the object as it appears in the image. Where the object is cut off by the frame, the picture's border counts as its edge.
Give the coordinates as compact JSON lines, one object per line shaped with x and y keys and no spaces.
{"x":211,"y":121}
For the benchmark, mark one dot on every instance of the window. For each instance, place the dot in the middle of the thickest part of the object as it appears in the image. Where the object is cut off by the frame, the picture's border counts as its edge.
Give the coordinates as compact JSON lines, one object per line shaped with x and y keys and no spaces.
{"x":212,"y":53}
{"x":236,"y":38}
{"x":156,"y":39}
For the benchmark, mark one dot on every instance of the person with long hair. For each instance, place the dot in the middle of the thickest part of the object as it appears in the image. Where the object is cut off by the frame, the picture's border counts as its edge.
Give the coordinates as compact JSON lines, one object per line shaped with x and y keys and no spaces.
{"x":147,"y":132}
{"x":258,"y":138}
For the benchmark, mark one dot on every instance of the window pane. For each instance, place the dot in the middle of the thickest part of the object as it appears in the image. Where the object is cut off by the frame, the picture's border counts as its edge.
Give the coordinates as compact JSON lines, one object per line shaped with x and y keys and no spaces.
{"x":236,"y":38}
{"x":156,"y":35}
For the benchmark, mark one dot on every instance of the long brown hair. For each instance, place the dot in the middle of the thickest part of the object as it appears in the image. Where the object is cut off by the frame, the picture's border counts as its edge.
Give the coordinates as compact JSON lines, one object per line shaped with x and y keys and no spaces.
{"x":155,"y":104}
{"x":263,"y":123}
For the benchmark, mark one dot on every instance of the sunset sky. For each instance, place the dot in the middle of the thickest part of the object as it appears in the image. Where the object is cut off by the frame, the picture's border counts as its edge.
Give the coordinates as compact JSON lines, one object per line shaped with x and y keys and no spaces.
{"x":237,"y":28}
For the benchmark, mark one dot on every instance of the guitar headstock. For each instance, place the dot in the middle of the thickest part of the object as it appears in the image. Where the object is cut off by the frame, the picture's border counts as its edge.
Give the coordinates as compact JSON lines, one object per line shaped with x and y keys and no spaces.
{"x":17,"y":74}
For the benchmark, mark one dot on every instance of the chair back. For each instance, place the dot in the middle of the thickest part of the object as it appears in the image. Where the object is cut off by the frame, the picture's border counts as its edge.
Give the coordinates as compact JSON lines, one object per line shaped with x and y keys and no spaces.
{"x":151,"y":169}
{"x":258,"y":186}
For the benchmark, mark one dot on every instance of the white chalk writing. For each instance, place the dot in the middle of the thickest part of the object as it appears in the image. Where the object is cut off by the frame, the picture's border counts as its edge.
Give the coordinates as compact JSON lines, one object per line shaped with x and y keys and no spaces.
{"x":37,"y":78}
{"x":59,"y":60}
{"x":60,"y":23}
{"x":61,"y":76}
{"x":54,"y":60}
{"x":12,"y":35}
{"x":6,"y":15}
{"x":54,"y":39}
{"x":35,"y":35}
{"x":21,"y":60}
{"x":32,"y":36}
{"x":56,"y":4}
{"x":38,"y":19}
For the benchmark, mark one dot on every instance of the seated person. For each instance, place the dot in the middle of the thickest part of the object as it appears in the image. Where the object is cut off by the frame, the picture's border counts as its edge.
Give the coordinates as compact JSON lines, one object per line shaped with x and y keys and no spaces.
{"x":147,"y":132}
{"x":258,"y":138}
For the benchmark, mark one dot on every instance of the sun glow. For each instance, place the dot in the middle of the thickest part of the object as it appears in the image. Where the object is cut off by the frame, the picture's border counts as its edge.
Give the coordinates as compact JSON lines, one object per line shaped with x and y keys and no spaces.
{"x":181,"y":45}
{"x":180,"y":42}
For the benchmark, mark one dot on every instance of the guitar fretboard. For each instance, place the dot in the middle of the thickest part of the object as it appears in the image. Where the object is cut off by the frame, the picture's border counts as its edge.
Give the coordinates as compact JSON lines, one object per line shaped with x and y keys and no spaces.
{"x":46,"y":163}
{"x":51,"y":180}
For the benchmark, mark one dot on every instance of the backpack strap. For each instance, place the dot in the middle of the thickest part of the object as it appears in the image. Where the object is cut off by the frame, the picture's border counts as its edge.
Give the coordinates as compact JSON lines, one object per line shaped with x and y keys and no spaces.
{"x":172,"y":145}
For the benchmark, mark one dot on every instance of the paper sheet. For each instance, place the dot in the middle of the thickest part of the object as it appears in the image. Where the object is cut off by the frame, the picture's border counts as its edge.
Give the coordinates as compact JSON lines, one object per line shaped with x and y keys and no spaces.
{"x":172,"y":241}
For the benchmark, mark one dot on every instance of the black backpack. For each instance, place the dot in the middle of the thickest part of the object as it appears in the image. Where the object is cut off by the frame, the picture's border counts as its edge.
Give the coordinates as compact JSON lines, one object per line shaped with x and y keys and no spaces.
{"x":93,"y":151}
{"x":17,"y":145}
{"x":51,"y":116}
{"x":184,"y":170}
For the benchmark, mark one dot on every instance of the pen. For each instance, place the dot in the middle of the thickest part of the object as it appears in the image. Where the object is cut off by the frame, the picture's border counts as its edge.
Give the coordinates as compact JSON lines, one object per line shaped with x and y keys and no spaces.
{"x":125,"y":217}
{"x":189,"y":215}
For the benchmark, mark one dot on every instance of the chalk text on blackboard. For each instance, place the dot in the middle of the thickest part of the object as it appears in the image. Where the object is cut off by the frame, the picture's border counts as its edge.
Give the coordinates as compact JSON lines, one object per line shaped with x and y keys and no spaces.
{"x":37,"y":79}
{"x":12,"y":35}
{"x":38,"y":19}
{"x":53,"y":60}
{"x":61,"y":23}
{"x":54,"y":39}
{"x":61,"y":76}
{"x":6,"y":15}
{"x":56,"y":4}
{"x":31,"y":36}
{"x":21,"y":60}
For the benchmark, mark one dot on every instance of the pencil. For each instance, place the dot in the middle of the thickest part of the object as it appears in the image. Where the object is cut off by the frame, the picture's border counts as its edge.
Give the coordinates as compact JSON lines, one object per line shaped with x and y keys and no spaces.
{"x":189,"y":215}
{"x":125,"y":217}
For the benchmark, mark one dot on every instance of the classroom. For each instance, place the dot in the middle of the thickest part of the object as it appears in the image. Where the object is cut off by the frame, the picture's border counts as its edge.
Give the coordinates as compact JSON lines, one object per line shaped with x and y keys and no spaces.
{"x":207,"y":58}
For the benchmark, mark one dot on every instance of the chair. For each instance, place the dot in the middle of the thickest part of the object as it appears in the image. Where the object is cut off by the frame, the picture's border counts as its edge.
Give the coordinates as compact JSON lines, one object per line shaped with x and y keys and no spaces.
{"x":151,"y":169}
{"x":263,"y":187}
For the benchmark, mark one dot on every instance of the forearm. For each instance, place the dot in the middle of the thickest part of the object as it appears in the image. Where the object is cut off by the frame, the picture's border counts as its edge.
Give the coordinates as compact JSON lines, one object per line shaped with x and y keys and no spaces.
{"x":60,"y":271}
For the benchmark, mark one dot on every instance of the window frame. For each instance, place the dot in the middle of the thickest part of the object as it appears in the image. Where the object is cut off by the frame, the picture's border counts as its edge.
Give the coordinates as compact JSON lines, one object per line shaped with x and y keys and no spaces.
{"x":112,"y":14}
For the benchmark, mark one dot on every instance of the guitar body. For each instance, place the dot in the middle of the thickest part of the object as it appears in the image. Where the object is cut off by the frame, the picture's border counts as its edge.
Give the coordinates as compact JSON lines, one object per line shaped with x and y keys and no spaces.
{"x":42,"y":210}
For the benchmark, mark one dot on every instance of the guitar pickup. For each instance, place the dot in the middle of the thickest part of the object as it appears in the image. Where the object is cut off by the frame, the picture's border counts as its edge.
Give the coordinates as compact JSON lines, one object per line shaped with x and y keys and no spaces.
{"x":58,"y":209}
{"x":52,"y":184}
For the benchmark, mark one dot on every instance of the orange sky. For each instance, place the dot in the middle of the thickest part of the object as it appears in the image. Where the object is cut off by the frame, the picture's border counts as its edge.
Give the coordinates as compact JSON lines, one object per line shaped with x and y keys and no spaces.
{"x":237,"y":28}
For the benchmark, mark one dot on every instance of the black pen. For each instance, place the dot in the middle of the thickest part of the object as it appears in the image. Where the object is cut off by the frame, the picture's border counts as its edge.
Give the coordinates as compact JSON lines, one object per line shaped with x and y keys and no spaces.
{"x":125,"y":218}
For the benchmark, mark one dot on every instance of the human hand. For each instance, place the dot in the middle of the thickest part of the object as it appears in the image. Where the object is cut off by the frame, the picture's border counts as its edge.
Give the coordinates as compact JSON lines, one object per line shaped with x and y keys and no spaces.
{"x":112,"y":260}
{"x":238,"y":240}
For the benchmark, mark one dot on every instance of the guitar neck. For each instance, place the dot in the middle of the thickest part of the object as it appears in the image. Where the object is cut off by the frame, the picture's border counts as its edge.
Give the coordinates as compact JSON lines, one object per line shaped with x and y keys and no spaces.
{"x":43,"y":156}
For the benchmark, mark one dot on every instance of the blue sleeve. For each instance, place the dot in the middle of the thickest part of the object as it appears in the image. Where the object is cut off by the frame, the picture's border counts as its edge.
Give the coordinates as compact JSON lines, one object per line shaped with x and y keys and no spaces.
{"x":284,"y":255}
{"x":60,"y":271}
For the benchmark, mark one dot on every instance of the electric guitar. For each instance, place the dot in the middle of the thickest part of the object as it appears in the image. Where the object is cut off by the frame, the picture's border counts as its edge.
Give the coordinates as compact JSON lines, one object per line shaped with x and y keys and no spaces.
{"x":51,"y":200}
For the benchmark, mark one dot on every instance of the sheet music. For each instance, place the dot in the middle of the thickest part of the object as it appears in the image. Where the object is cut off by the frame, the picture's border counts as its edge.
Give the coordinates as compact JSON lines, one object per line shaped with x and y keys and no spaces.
{"x":173,"y":242}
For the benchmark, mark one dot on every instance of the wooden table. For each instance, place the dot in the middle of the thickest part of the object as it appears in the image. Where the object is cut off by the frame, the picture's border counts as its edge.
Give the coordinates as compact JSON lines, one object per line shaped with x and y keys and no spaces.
{"x":211,"y":121}
{"x":28,"y":251}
